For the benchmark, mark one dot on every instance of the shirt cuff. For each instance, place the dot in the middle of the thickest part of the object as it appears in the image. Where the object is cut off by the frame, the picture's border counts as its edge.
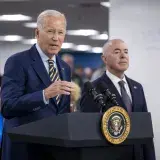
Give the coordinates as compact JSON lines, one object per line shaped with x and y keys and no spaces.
{"x":44,"y":99}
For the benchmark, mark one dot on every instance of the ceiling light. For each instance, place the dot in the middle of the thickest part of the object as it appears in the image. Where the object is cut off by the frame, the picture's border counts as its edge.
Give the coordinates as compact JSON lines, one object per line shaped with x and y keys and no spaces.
{"x":29,"y":41}
{"x":67,"y":45}
{"x":83,"y":47}
{"x":106,"y":4}
{"x":82,"y":32}
{"x":14,"y":17}
{"x":30,"y":25}
{"x":103,"y":36}
{"x":97,"y":49}
{"x":11,"y":38}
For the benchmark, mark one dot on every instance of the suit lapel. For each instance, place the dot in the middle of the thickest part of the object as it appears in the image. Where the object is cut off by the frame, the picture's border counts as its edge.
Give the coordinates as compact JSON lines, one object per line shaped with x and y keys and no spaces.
{"x":113,"y":90}
{"x":63,"y":77}
{"x":39,"y":67}
{"x":61,"y":68}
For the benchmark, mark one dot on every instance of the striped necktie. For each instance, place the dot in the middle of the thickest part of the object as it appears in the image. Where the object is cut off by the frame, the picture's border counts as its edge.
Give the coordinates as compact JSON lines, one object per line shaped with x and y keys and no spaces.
{"x":54,"y":75}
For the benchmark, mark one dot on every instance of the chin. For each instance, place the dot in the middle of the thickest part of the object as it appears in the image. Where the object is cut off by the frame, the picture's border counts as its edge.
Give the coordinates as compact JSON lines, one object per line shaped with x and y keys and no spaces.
{"x":53,"y":52}
{"x":123,"y":69}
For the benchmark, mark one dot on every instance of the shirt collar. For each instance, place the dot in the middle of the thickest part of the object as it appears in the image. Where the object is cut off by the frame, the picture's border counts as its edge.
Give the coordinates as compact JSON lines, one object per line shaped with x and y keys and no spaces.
{"x":43,"y":55}
{"x":114,"y":78}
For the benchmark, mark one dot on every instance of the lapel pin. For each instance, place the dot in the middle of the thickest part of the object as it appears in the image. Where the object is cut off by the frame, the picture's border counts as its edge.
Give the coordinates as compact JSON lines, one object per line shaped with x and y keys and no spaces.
{"x":135,"y":87}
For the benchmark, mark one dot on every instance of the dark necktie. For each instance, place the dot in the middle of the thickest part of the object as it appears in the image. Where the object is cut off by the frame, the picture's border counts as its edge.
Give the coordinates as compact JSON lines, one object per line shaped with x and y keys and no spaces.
{"x":54,"y":75}
{"x":125,"y":97}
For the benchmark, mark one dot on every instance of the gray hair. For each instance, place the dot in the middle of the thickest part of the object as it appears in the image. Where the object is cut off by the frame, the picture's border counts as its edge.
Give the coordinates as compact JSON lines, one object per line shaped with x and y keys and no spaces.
{"x":42,"y":15}
{"x":109,"y":43}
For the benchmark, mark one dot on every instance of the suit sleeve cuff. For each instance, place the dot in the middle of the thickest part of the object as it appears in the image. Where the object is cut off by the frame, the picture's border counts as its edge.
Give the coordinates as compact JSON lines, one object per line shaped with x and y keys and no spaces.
{"x":44,"y":99}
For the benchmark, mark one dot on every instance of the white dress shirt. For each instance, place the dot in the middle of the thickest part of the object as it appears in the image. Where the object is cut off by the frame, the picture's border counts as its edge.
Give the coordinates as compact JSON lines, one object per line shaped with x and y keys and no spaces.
{"x":45,"y":58}
{"x":115,"y":81}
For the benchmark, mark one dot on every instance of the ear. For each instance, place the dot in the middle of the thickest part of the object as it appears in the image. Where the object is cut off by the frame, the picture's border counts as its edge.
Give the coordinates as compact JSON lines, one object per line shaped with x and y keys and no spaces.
{"x":36,"y":33}
{"x":104,"y":59}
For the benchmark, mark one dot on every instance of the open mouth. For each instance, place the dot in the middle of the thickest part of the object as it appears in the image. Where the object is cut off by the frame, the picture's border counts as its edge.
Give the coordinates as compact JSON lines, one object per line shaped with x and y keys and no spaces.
{"x":54,"y":45}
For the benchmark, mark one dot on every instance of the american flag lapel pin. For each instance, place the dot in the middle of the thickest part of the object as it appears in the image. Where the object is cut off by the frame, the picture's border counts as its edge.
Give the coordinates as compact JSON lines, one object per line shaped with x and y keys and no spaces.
{"x":135,"y":87}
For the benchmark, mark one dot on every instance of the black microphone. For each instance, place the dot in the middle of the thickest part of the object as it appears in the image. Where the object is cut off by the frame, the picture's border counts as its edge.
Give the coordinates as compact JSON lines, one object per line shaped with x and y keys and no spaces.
{"x":109,"y":96}
{"x":97,"y":97}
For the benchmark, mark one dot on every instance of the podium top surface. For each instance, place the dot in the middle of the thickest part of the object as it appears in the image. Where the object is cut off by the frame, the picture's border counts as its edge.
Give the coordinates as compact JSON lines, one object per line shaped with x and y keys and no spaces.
{"x":78,"y":129}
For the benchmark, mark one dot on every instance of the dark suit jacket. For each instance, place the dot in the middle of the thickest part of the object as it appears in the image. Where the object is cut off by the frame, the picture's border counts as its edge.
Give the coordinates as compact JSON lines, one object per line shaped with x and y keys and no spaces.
{"x":138,"y":105}
{"x":25,"y":77}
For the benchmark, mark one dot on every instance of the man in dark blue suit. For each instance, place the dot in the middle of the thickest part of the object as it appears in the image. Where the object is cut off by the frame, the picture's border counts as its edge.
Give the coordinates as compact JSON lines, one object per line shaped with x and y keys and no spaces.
{"x":129,"y":93}
{"x":36,"y":84}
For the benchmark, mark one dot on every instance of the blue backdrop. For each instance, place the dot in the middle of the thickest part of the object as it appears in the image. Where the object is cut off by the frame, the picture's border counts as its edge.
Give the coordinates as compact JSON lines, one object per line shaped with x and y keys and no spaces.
{"x":85,"y":59}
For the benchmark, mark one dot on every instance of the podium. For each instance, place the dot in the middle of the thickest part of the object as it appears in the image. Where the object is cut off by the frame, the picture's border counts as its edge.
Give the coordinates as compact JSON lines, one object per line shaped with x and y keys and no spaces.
{"x":78,"y":136}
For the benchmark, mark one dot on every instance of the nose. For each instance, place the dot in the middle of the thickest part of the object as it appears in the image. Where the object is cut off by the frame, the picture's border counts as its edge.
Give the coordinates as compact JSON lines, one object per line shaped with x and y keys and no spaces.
{"x":55,"y":36}
{"x":123,"y":54}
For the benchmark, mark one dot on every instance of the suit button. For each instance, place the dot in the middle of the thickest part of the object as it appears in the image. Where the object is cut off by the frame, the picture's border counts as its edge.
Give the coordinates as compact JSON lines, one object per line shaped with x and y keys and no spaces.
{"x":37,"y":108}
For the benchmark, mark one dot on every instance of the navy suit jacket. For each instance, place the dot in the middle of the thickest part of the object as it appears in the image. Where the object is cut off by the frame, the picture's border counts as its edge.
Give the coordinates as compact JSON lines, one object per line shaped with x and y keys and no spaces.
{"x":87,"y":104}
{"x":24,"y":78}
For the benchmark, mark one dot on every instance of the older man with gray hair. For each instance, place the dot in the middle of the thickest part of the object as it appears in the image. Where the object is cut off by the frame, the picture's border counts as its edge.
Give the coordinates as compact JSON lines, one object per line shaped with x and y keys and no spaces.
{"x":36,"y":84}
{"x":129,"y":94}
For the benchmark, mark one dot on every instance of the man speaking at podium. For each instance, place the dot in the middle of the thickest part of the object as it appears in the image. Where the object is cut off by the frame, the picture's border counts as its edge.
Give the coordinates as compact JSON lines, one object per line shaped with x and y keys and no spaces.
{"x":36,"y":84}
{"x":129,"y":93}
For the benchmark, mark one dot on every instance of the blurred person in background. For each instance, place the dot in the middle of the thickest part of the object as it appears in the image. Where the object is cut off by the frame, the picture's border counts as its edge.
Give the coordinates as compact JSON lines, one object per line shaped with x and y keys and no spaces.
{"x":76,"y":77}
{"x":129,"y":94}
{"x":98,"y":72}
{"x":36,"y":84}
{"x":87,"y":74}
{"x":79,"y":72}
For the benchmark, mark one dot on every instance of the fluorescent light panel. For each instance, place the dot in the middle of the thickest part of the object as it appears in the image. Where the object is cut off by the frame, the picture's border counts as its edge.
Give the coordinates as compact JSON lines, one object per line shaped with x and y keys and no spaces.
{"x":11,"y":38}
{"x":67,"y":45}
{"x":106,"y":4}
{"x":29,"y":41}
{"x":30,"y":24}
{"x":82,"y":32}
{"x":14,"y":17}
{"x":97,"y":49}
{"x":103,"y":36}
{"x":83,"y":47}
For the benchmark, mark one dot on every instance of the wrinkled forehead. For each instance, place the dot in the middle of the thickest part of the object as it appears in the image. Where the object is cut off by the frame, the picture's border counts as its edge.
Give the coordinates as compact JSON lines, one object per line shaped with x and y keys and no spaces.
{"x":119,"y":45}
{"x":51,"y":20}
{"x":114,"y":45}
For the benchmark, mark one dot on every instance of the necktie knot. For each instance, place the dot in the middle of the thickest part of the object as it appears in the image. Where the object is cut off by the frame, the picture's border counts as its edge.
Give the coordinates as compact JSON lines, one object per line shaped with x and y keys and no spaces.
{"x":51,"y":62}
{"x":121,"y":83}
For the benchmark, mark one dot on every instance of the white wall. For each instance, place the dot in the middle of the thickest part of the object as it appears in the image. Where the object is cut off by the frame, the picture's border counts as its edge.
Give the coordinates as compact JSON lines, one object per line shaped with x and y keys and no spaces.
{"x":138,"y":23}
{"x":8,"y":49}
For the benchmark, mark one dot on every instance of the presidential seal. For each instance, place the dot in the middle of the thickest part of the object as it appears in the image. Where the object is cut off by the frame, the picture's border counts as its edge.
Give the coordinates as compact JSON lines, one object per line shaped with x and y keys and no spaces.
{"x":116,"y":125}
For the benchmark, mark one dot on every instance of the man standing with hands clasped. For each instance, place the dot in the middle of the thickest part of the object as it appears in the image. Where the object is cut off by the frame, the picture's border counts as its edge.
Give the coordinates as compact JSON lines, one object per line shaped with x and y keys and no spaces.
{"x":36,"y":84}
{"x":129,"y":93}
